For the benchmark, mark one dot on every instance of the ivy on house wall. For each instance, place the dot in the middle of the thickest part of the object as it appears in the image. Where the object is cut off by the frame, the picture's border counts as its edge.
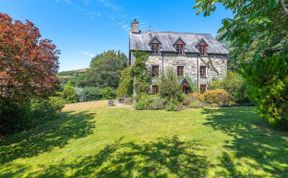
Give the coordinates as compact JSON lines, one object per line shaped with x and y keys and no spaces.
{"x":135,"y":76}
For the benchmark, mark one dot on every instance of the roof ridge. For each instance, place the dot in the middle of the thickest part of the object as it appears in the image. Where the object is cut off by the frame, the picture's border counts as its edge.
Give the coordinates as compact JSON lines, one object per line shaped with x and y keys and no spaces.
{"x":194,"y":33}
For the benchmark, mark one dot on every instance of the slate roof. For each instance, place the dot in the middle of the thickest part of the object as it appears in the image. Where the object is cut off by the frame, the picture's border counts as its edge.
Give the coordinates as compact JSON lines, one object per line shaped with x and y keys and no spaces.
{"x":140,"y":41}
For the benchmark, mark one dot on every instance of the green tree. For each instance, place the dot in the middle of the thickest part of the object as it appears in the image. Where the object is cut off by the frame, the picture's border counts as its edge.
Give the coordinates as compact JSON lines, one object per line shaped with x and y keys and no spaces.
{"x":104,"y":70}
{"x":257,"y":37}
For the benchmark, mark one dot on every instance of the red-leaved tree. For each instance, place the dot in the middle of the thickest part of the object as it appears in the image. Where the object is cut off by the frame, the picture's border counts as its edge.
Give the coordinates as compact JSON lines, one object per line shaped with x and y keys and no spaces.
{"x":28,"y":64}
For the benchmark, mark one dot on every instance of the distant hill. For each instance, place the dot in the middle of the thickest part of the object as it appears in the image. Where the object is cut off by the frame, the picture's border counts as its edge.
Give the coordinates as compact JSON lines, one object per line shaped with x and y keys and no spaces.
{"x":65,"y":76}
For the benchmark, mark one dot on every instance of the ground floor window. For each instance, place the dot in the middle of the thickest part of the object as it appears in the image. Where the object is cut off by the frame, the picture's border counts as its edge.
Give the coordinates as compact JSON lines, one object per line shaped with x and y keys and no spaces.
{"x":203,"y":88}
{"x":155,"y":89}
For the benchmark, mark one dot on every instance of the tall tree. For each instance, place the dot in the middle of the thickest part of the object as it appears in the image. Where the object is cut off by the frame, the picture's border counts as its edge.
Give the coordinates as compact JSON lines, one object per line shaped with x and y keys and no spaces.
{"x":104,"y":70}
{"x":257,"y":36}
{"x":28,"y":65}
{"x":258,"y":28}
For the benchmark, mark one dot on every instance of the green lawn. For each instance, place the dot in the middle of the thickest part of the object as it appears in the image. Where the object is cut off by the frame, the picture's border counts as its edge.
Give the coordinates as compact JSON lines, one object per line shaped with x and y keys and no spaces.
{"x":95,"y":141}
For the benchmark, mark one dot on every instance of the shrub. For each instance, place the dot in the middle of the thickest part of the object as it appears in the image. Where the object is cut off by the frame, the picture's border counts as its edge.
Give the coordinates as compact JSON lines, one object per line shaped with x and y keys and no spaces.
{"x":219,"y":97}
{"x":108,"y":93}
{"x":140,"y":105}
{"x":268,"y":87}
{"x":92,"y":94}
{"x":69,"y":94}
{"x":234,"y":84}
{"x":149,"y":102}
{"x":173,"y":105}
{"x":44,"y":110}
{"x":170,"y":88}
{"x":194,"y":100}
{"x":196,"y":104}
{"x":13,"y":117}
{"x":28,"y":115}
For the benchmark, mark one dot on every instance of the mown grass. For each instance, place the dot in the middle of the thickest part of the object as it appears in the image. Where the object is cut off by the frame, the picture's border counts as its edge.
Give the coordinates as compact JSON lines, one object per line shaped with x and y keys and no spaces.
{"x":95,"y":141}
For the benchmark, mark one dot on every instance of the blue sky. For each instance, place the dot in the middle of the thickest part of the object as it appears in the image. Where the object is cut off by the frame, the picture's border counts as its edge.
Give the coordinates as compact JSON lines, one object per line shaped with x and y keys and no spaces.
{"x":83,"y":28}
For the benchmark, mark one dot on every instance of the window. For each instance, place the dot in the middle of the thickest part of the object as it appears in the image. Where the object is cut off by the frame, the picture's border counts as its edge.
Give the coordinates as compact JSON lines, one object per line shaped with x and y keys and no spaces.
{"x":180,"y":49}
{"x":202,"y":49}
{"x":203,"y":71}
{"x":180,"y":71}
{"x":155,"y":89}
{"x":155,"y":71}
{"x":203,"y":88}
{"x":155,"y":47}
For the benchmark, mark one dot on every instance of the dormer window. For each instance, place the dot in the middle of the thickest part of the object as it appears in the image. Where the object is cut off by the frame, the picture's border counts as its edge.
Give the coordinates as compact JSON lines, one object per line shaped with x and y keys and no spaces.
{"x":202,"y":47}
{"x":155,"y":46}
{"x":180,"y":47}
{"x":202,"y":50}
{"x":155,"y":49}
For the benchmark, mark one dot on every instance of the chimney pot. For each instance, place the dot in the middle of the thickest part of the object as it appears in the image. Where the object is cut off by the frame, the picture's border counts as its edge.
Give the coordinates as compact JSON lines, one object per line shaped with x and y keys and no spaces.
{"x":135,"y":26}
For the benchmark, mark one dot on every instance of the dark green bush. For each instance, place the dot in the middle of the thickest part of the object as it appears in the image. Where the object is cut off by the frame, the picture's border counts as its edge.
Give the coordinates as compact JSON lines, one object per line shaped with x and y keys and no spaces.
{"x":92,"y":94}
{"x":267,"y":80}
{"x":44,"y":110}
{"x":15,"y":117}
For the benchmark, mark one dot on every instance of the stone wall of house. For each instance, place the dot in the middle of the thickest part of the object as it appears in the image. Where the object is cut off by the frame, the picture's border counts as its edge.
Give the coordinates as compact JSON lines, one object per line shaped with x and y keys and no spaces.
{"x":216,"y":66}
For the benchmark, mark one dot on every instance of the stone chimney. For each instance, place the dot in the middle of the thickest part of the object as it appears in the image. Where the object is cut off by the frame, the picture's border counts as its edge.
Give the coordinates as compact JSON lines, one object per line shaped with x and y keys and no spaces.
{"x":135,"y":26}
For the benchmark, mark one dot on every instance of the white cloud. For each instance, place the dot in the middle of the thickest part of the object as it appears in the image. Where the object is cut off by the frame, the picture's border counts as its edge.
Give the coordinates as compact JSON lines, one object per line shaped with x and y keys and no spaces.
{"x":89,"y":54}
{"x":113,"y":12}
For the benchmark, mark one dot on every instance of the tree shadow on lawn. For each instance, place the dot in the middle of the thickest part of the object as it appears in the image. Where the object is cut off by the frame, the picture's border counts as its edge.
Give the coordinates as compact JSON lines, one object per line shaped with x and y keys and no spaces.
{"x":252,"y":139}
{"x":47,"y":136}
{"x":152,"y":159}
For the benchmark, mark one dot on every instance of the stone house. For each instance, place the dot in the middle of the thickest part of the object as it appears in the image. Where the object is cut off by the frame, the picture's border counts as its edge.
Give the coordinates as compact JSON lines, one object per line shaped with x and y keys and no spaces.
{"x":197,"y":56}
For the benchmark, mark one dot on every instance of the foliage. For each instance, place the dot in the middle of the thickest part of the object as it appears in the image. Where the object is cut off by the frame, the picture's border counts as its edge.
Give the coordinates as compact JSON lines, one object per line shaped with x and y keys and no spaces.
{"x":104,"y":70}
{"x":140,"y":73}
{"x":69,"y":94}
{"x":28,"y":68}
{"x":257,"y":33}
{"x":193,"y":100}
{"x":71,"y":76}
{"x":149,"y":102}
{"x":219,"y":97}
{"x":170,"y":88}
{"x":45,"y":110}
{"x":258,"y":28}
{"x":108,"y":93}
{"x":28,"y":65}
{"x":13,"y":117}
{"x":135,"y":76}
{"x":268,"y":88}
{"x":125,"y":87}
{"x":196,"y":104}
{"x":18,"y":117}
{"x":234,"y":84}
{"x":173,"y":105}
{"x":92,"y":94}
